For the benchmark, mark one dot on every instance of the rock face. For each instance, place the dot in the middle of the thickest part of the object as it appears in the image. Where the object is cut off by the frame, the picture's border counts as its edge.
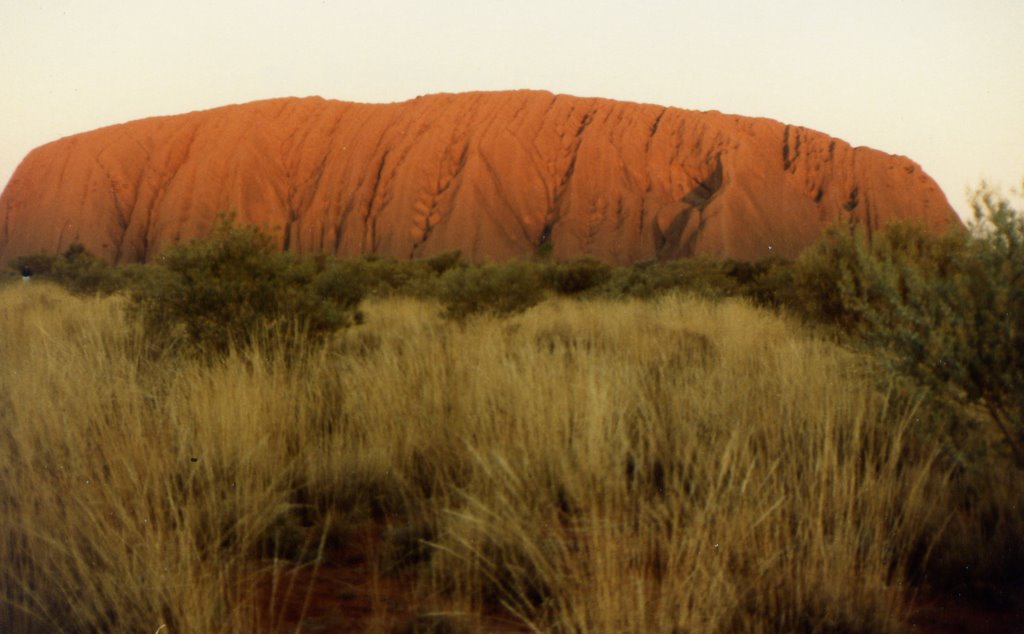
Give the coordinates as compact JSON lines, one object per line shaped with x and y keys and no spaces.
{"x":496,"y":175}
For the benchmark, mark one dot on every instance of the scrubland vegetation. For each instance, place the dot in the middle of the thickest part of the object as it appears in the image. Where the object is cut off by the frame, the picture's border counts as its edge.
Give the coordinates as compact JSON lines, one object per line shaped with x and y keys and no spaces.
{"x":241,"y":441}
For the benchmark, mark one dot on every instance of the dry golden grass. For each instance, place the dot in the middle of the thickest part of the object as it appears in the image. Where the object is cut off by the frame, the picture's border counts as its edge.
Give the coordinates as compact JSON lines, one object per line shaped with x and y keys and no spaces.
{"x":673,"y":465}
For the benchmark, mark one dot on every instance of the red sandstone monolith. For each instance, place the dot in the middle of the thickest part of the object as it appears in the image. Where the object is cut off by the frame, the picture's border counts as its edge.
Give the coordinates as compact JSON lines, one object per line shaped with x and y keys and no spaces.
{"x":496,"y":175}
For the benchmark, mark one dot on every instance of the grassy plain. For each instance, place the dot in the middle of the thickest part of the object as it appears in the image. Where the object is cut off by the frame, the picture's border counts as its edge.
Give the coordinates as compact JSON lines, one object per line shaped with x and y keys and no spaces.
{"x":669,"y":465}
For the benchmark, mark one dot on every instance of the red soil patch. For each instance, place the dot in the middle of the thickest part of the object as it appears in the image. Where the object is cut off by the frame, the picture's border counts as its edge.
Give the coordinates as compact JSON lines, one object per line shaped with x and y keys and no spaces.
{"x":958,"y":614}
{"x":350,"y":593}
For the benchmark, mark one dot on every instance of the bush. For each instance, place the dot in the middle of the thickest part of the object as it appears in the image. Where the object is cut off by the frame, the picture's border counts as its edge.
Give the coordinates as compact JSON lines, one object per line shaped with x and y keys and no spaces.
{"x":767,"y":283}
{"x":701,"y":276}
{"x":499,"y":289}
{"x":817,"y":273}
{"x":39,"y":264}
{"x":576,"y":276}
{"x":944,"y":310}
{"x":81,"y":272}
{"x":343,"y":283}
{"x":383,"y":276}
{"x":950,"y":311}
{"x":78,"y":271}
{"x":232,"y":286}
{"x":443,"y":262}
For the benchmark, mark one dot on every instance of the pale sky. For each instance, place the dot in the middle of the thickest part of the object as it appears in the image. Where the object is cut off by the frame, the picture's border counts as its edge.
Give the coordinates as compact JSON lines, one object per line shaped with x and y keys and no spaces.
{"x":940,"y":81}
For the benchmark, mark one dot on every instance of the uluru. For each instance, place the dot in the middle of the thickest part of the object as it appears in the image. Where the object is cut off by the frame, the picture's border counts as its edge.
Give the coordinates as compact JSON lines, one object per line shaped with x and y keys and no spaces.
{"x":496,"y":175}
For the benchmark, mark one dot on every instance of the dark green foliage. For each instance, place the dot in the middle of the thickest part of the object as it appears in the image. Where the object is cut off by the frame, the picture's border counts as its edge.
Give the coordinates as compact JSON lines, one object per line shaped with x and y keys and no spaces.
{"x":232,"y":287}
{"x":343,"y":282}
{"x":951,"y":311}
{"x":445,"y":261}
{"x":768,"y":283}
{"x":576,"y":276}
{"x":947,"y":311}
{"x":545,"y":250}
{"x":79,"y":271}
{"x":383,"y":276}
{"x":816,"y":276}
{"x":499,"y":289}
{"x":40,"y":264}
{"x":701,"y":276}
{"x":835,"y":282}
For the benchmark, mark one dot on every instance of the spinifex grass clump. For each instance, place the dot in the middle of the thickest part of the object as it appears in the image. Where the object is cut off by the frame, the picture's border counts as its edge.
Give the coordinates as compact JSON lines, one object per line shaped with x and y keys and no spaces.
{"x":130,"y":500}
{"x":654,"y":466}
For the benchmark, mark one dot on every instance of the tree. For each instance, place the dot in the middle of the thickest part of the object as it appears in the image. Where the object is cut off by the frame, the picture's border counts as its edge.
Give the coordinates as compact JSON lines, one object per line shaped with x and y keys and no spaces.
{"x":949,"y":310}
{"x":233,"y":285}
{"x":497,"y":289}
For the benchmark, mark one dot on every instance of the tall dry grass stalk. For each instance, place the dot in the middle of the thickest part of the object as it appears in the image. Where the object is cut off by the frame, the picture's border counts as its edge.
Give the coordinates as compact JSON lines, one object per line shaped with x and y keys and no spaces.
{"x":674,"y":465}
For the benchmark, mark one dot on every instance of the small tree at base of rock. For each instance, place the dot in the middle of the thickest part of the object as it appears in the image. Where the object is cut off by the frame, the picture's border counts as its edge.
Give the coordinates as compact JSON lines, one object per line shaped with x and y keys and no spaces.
{"x":233,"y":286}
{"x":950,"y":310}
{"x":497,"y":289}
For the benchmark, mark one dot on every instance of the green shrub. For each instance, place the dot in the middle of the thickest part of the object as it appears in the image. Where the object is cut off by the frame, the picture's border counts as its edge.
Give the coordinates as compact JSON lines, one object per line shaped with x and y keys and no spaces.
{"x":233,"y":286}
{"x":767,"y":283}
{"x":79,"y":271}
{"x":944,"y":310}
{"x":816,"y":276}
{"x":576,"y":276}
{"x":383,"y":276}
{"x":836,"y":281}
{"x":499,"y":289}
{"x":950,"y":310}
{"x":40,"y":263}
{"x":344,"y":283}
{"x":443,"y":262}
{"x":701,"y":276}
